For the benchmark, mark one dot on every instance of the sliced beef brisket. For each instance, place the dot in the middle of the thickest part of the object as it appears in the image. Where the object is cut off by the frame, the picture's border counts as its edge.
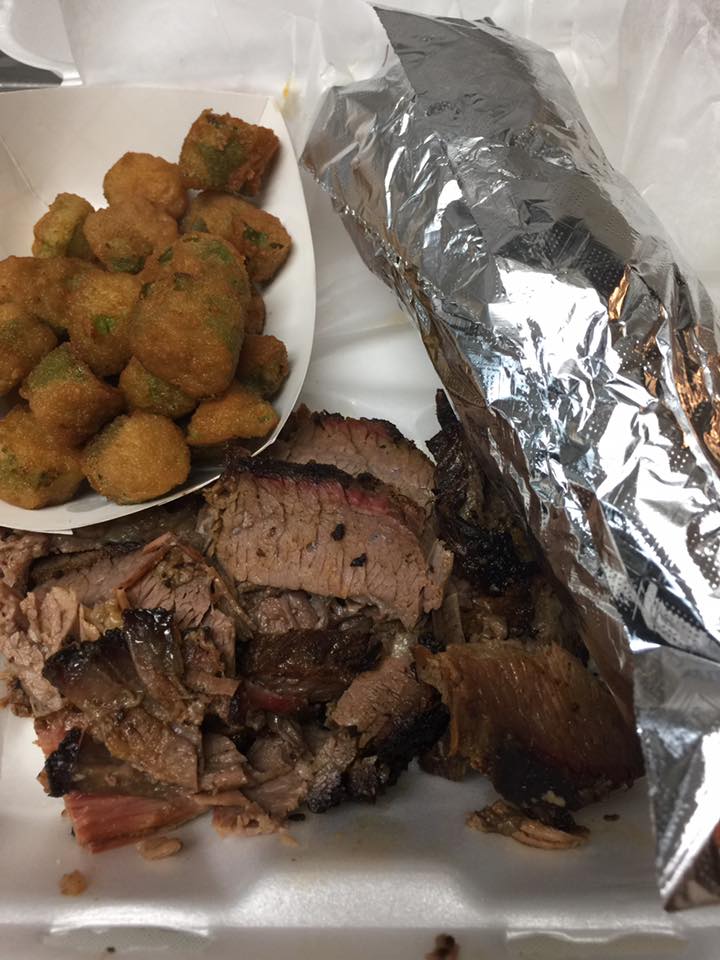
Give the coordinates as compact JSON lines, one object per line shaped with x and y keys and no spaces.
{"x":103,"y":821}
{"x":358,"y":446}
{"x":272,"y":524}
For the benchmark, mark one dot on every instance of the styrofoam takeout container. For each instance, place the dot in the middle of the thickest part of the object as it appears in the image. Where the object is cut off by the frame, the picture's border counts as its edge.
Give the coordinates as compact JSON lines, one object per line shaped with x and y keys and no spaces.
{"x":364,"y":882}
{"x":64,"y":140}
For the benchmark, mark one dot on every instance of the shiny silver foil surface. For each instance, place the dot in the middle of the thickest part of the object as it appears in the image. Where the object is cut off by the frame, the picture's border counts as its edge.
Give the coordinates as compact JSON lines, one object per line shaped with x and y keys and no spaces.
{"x":581,"y":356}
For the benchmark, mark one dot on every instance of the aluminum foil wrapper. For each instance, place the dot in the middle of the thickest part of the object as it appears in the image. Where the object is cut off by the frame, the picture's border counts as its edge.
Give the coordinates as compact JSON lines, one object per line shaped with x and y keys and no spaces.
{"x":581,"y":356}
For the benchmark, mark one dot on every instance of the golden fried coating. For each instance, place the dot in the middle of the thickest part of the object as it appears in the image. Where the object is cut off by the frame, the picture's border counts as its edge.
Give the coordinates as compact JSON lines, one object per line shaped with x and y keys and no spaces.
{"x":144,"y":391}
{"x":221,"y":152}
{"x":23,"y":342}
{"x":137,"y":458}
{"x":258,"y":235}
{"x":240,"y":414}
{"x":41,"y":286}
{"x":149,"y":177}
{"x":59,"y":233}
{"x":66,"y":396}
{"x":98,"y":319}
{"x":123,"y":235}
{"x":36,"y":468}
{"x":188,"y":330}
{"x":211,"y":212}
{"x":196,"y":255}
{"x":263,"y":364}
{"x":15,"y":276}
{"x":51,"y":282}
{"x":255,"y":319}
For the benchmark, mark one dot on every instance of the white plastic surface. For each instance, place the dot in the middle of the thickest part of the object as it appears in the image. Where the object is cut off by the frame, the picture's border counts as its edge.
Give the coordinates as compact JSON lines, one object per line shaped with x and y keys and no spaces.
{"x":65,"y":139}
{"x":381,"y":882}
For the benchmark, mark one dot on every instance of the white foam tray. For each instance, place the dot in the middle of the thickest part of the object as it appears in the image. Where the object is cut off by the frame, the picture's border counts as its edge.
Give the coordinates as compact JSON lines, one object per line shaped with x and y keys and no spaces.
{"x":365,"y":882}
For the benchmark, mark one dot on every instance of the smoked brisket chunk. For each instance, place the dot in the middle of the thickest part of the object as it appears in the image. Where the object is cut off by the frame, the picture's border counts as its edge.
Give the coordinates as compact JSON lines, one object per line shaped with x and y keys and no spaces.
{"x":101,"y":680}
{"x":313,"y":665}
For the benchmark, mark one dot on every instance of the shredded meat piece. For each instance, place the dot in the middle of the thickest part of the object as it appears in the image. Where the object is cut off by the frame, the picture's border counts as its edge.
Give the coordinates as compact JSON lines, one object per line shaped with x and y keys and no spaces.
{"x":379,"y":699}
{"x":246,"y":820}
{"x":313,"y":665}
{"x":159,"y":848}
{"x":501,"y":817}
{"x":17,"y":552}
{"x":32,"y":629}
{"x":73,"y":884}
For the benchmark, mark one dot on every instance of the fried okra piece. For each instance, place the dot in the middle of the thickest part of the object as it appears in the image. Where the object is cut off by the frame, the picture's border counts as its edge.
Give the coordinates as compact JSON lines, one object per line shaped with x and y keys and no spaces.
{"x":221,"y":152}
{"x":98,"y":319}
{"x":152,"y":178}
{"x":197,"y":255}
{"x":137,"y":458}
{"x":258,"y":235}
{"x":123,"y":235}
{"x":263,"y":240}
{"x":41,"y":286}
{"x":52,"y":281}
{"x":188,"y":331}
{"x":255,"y":319}
{"x":23,"y":342}
{"x":144,"y":391}
{"x":240,"y":414}
{"x":263,"y":364}
{"x":36,"y":467}
{"x":59,"y":233}
{"x":66,"y":396}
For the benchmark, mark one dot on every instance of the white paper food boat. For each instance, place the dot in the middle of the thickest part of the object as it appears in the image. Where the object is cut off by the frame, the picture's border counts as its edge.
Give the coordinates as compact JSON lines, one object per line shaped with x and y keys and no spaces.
{"x":64,"y":140}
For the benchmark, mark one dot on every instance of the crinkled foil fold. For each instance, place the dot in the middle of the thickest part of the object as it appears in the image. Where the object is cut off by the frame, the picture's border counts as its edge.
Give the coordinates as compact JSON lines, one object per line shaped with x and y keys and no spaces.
{"x":581,"y":356}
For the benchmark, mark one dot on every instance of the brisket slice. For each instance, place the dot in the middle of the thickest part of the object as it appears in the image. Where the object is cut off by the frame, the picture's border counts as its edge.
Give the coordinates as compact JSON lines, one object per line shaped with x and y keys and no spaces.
{"x":164,"y":573}
{"x":276,"y":524}
{"x":534,"y":719}
{"x":102,"y":822}
{"x":358,"y":446}
{"x":82,"y":764}
{"x":94,"y":576}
